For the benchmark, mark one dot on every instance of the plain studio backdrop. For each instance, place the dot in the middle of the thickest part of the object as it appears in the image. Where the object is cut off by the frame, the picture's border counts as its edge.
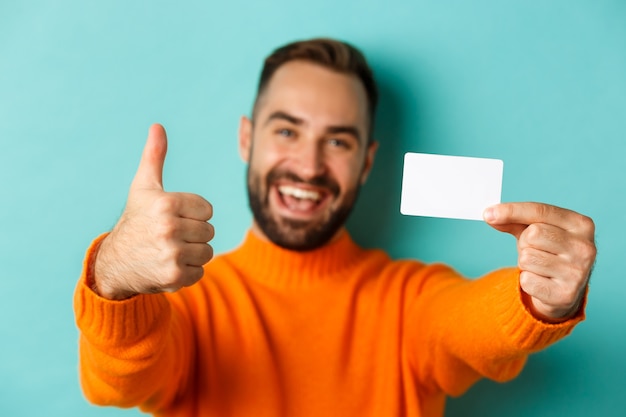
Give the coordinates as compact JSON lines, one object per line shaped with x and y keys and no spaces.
{"x":538,"y":84}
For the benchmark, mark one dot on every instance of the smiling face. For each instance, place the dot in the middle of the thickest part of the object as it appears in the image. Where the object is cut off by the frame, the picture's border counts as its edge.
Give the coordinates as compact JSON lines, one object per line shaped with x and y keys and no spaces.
{"x":308,"y":154}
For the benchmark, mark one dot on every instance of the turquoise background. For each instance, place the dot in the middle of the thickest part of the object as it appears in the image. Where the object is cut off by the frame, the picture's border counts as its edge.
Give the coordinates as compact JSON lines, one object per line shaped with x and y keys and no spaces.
{"x":539,"y":84}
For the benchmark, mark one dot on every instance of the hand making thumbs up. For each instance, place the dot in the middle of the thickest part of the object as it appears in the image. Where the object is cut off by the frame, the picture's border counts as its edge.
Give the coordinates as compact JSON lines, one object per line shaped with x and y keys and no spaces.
{"x":160,"y":242}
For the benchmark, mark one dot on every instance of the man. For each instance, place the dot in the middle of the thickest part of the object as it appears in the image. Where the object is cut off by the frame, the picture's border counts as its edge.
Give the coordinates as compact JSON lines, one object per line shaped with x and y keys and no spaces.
{"x":299,"y":320}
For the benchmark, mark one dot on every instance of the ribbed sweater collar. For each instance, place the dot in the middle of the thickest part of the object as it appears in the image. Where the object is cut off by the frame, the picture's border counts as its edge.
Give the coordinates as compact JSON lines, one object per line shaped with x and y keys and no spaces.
{"x":266,"y":262}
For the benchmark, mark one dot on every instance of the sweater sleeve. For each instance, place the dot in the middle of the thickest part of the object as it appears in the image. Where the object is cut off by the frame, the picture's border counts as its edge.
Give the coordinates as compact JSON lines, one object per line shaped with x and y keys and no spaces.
{"x":134,"y":352}
{"x":462,"y":330}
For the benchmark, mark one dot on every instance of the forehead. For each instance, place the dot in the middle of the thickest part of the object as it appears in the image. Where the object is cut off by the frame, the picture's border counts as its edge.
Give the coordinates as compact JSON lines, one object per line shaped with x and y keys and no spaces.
{"x":318,"y":95}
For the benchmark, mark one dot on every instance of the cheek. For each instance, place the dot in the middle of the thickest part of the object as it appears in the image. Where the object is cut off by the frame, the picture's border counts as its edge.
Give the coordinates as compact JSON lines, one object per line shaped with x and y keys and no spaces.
{"x":347,"y":174}
{"x":263,"y":159}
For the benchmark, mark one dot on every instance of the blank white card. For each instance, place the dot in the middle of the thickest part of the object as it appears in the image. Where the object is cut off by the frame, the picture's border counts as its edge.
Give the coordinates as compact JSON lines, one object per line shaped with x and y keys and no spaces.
{"x":454,"y":187}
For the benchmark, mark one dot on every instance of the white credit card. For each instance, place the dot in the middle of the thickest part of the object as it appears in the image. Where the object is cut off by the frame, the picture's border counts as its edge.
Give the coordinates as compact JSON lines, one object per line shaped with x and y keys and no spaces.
{"x":454,"y":187}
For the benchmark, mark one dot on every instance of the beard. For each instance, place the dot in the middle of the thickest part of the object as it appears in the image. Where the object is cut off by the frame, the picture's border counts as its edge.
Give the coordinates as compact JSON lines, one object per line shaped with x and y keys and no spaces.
{"x":298,"y":235}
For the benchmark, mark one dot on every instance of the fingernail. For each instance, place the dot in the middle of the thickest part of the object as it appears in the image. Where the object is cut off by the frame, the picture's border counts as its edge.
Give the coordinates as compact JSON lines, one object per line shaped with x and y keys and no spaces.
{"x":489,"y":214}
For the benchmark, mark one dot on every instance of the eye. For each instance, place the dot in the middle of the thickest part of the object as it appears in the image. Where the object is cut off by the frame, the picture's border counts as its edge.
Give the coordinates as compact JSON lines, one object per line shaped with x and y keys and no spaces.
{"x":288,"y":133}
{"x":339,"y":143}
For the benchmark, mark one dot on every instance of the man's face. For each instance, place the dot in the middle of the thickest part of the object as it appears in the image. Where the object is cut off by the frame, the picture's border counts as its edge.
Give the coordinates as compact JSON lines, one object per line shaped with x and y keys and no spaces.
{"x":308,"y":154}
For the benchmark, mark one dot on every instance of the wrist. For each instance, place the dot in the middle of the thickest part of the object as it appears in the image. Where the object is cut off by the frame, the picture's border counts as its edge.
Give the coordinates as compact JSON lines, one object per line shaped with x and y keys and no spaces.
{"x":101,"y":278}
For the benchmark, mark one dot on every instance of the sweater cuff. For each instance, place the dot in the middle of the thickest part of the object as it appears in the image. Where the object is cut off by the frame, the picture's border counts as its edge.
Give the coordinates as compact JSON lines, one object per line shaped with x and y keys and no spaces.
{"x":102,"y":320}
{"x":532,"y":333}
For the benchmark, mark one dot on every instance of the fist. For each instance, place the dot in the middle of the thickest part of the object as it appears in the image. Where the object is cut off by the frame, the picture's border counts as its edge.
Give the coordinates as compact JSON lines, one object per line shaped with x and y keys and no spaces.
{"x":160,"y":242}
{"x":556,"y":252}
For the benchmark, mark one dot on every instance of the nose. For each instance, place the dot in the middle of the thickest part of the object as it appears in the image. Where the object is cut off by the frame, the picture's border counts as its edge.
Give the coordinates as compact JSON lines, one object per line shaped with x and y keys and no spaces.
{"x":309,"y":160}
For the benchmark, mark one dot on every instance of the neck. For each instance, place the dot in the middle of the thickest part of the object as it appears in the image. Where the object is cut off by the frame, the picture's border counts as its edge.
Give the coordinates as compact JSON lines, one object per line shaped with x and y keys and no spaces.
{"x":266,"y":262}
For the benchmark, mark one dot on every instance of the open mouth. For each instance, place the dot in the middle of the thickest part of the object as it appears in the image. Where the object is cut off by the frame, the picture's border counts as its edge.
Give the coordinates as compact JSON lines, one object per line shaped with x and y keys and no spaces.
{"x":298,"y":201}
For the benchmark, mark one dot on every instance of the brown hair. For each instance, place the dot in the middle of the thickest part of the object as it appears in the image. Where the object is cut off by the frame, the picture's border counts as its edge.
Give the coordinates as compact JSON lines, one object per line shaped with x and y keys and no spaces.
{"x":333,"y":54}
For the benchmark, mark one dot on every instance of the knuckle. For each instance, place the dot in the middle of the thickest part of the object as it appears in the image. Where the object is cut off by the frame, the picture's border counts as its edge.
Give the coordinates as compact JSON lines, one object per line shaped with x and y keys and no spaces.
{"x":542,"y":291}
{"x":585,"y":252}
{"x":175,"y":276}
{"x":566,"y":297}
{"x":178,"y":256}
{"x":569,"y":294}
{"x":576,"y":274}
{"x":533,"y":233}
{"x":166,"y":203}
{"x":524,"y":280}
{"x":542,"y":210}
{"x":580,"y":275}
{"x":586,"y":224}
{"x":172,"y":259}
{"x":506,"y":210}
{"x":522,"y":259}
{"x":535,"y":287}
{"x":539,"y":210}
{"x":165,"y":228}
{"x":529,"y":258}
{"x":589,"y":251}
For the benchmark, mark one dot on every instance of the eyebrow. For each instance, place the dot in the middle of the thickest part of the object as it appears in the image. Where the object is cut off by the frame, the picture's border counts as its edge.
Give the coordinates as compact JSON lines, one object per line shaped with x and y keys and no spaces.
{"x":281,"y":115}
{"x":348,"y":129}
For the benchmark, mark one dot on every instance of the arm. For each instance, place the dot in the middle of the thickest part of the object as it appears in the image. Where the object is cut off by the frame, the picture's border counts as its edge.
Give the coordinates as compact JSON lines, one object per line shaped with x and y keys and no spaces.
{"x":463,"y":330}
{"x":488,"y":326}
{"x":135,"y":342}
{"x":132,"y":352}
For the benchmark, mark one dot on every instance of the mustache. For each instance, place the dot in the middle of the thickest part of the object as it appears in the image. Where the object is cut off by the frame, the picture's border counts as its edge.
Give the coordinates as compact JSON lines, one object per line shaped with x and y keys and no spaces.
{"x":322,"y":181}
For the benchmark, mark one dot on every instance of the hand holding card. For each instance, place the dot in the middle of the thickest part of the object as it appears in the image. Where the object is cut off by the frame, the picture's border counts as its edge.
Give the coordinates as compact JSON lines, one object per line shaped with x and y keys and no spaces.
{"x":450,"y":186}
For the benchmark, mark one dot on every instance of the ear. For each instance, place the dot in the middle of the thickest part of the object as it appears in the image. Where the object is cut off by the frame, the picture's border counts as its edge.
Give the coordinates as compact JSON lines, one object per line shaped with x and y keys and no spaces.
{"x":245,"y":138}
{"x":372,"y":147}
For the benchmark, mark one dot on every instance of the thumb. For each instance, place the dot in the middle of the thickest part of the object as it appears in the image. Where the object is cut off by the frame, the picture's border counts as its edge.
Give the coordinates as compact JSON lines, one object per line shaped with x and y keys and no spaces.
{"x":491,"y":217}
{"x":150,"y":171}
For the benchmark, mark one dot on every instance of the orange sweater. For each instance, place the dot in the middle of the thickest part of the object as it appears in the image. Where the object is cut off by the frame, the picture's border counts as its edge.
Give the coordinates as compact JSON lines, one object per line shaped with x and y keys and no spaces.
{"x":339,"y":331}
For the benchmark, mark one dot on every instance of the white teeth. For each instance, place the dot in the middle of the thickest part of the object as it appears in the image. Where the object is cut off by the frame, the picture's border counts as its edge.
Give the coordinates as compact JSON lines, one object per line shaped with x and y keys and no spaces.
{"x":299,"y":192}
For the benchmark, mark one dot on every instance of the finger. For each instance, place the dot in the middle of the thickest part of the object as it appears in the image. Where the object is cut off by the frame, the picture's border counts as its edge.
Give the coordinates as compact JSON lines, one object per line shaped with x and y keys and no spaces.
{"x":194,"y":231}
{"x":556,"y":297}
{"x":529,"y":213}
{"x":186,"y":205}
{"x":192,"y":206}
{"x":149,"y":174}
{"x":543,"y":264}
{"x":188,"y":276}
{"x":196,"y":254}
{"x":513,"y":229}
{"x":546,"y":238}
{"x":193,"y":274}
{"x":536,"y":286}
